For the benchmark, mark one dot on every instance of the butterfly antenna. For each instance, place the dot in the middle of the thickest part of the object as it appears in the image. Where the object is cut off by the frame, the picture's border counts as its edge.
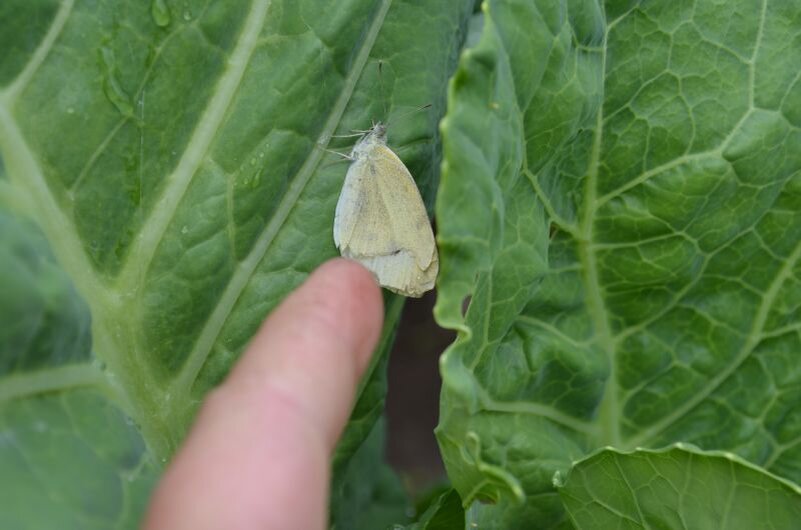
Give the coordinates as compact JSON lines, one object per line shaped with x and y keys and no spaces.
{"x":382,"y":91}
{"x":412,"y":111}
{"x":356,"y":132}
{"x":344,"y":156}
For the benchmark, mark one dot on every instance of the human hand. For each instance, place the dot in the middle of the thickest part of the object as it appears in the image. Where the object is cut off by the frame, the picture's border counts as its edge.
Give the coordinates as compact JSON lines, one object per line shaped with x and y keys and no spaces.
{"x":258,"y":455}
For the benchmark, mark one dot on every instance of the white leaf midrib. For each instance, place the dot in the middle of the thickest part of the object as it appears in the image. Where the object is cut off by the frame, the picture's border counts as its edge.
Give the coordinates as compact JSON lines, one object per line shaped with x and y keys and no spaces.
{"x":141,"y":253}
{"x":608,"y":408}
{"x":12,"y":91}
{"x":25,"y":173}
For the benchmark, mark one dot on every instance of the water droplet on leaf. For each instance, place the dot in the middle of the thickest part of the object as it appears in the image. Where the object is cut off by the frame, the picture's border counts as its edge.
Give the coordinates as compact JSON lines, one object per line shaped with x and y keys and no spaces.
{"x":160,"y":13}
{"x":111,"y":85}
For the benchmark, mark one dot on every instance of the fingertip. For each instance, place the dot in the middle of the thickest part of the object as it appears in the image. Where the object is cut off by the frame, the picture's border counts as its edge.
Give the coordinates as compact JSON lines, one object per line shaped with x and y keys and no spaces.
{"x":355,"y":292}
{"x":353,"y":276}
{"x":336,"y":315}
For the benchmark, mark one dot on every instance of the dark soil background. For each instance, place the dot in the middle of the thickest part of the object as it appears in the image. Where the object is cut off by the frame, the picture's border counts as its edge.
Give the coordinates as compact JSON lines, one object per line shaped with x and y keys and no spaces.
{"x":413,"y":395}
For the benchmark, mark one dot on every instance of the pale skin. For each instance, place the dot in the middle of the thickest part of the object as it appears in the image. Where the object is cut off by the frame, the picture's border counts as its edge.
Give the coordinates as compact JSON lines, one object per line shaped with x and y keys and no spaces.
{"x":258,"y":455}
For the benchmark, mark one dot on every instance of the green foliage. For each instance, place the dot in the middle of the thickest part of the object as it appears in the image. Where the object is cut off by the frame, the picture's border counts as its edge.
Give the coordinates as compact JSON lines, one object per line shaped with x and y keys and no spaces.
{"x":621,"y":205}
{"x":173,"y":155}
{"x":679,"y":487}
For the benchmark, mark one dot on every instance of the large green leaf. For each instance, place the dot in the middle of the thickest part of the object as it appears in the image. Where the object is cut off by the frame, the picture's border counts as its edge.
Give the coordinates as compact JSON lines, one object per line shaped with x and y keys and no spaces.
{"x":677,"y":488}
{"x":173,"y":154}
{"x":57,"y":423}
{"x":652,"y":151}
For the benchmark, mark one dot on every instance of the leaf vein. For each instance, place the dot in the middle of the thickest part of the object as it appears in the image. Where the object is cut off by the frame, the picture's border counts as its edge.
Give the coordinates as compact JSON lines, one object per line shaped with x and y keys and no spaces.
{"x":39,"y":55}
{"x":608,"y":408}
{"x":52,"y":379}
{"x":144,"y":248}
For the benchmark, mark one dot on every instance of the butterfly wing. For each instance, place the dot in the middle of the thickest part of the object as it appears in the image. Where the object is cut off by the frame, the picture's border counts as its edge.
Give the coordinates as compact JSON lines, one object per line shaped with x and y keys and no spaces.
{"x":407,"y":214}
{"x":381,"y":221}
{"x":348,"y":207}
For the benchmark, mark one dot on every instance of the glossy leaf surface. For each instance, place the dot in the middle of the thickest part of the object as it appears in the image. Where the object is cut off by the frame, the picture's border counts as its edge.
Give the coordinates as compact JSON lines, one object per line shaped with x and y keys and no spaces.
{"x":621,"y":206}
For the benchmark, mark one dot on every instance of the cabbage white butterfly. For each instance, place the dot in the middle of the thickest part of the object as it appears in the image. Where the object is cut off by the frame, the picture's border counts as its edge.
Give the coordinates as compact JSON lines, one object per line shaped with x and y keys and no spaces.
{"x":381,"y":221}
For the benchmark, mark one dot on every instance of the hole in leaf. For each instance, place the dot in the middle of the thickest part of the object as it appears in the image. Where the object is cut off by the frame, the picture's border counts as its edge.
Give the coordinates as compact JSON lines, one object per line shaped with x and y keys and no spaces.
{"x":466,"y":305}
